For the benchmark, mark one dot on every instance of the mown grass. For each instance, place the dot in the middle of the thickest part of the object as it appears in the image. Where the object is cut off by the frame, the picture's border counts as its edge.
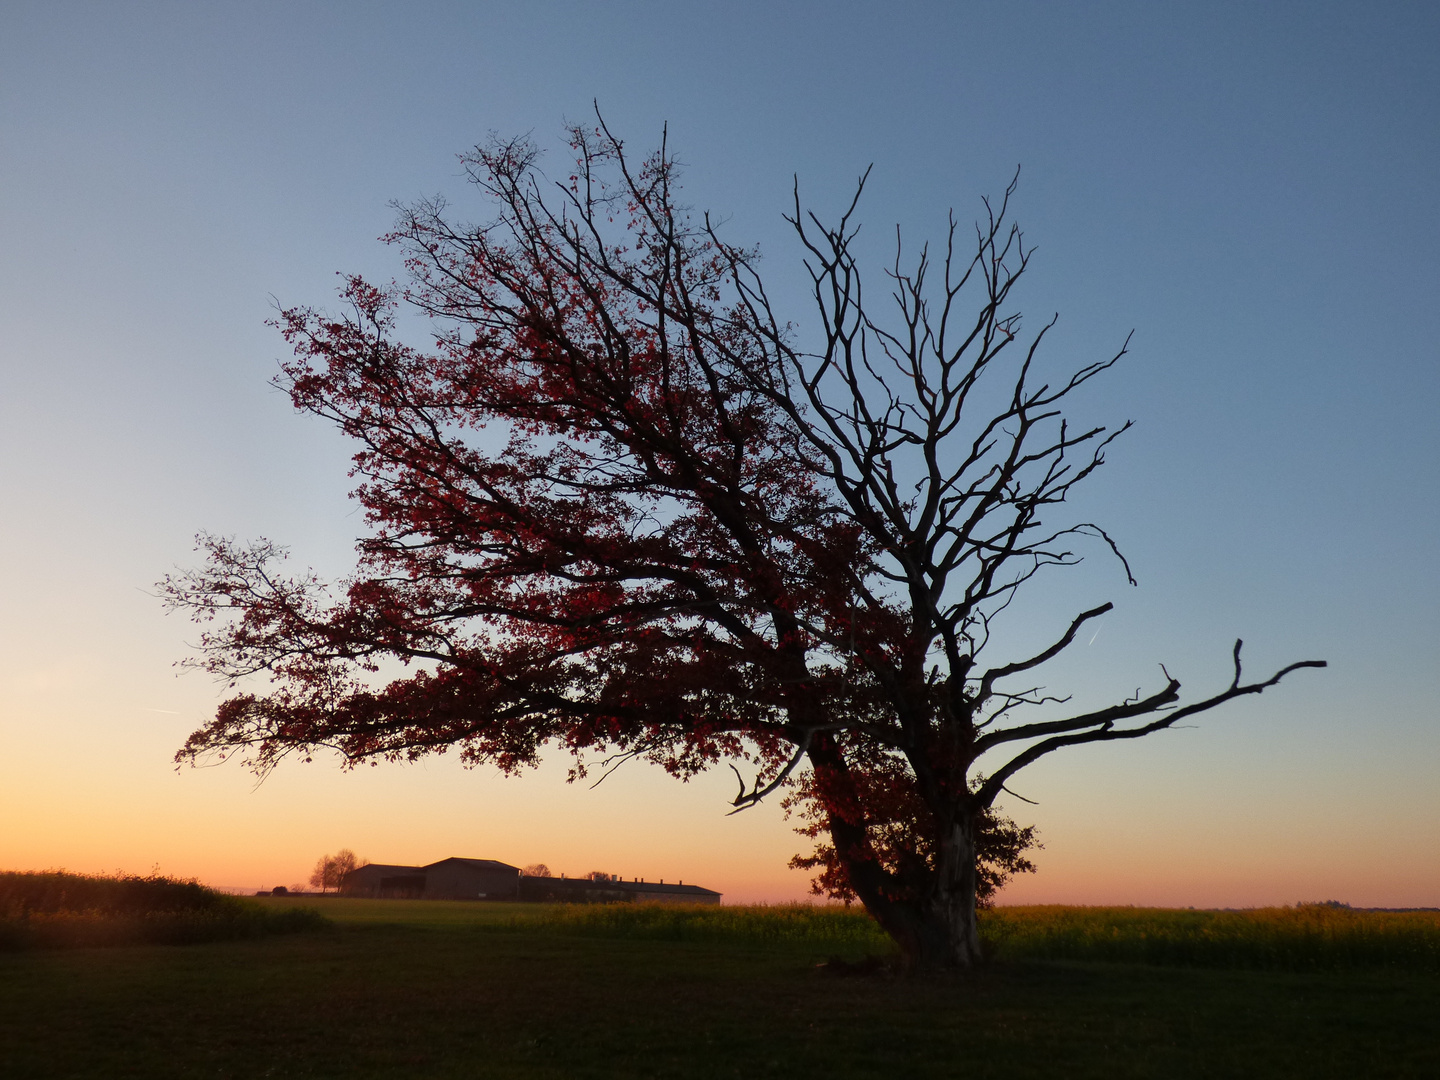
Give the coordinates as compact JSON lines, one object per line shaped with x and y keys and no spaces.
{"x":432,"y":990}
{"x":54,"y":909}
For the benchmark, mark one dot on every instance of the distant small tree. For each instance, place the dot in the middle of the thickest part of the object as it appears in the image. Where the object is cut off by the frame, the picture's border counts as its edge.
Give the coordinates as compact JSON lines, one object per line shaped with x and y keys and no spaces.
{"x":599,"y":875}
{"x":330,"y":870}
{"x":538,"y":869}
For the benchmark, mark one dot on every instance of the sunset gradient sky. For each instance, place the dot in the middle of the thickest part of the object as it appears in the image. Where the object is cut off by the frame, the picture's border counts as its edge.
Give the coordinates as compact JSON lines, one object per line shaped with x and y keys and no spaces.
{"x":1252,"y":188}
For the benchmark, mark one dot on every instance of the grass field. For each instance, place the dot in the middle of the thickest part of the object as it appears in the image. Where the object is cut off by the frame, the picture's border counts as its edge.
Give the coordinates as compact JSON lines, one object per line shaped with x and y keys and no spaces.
{"x":431,"y":989}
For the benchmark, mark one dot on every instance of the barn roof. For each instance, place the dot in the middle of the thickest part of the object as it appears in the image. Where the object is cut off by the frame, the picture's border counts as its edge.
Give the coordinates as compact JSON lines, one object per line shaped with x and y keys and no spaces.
{"x":623,"y":886}
{"x":655,"y":886}
{"x":479,"y":864}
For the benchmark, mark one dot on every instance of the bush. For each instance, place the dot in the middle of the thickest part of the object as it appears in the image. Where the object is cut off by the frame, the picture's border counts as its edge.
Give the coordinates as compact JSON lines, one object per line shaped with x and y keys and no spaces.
{"x":54,"y":909}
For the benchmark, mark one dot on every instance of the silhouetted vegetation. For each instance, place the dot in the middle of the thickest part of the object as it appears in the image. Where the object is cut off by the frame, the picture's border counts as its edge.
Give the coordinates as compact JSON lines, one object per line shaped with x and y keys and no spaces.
{"x":55,"y":909}
{"x":330,"y":870}
{"x":1301,"y":938}
{"x":762,"y":924}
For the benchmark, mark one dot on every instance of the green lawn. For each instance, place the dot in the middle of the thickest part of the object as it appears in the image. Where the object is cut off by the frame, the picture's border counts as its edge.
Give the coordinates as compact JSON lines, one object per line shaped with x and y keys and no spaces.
{"x":430,"y":989}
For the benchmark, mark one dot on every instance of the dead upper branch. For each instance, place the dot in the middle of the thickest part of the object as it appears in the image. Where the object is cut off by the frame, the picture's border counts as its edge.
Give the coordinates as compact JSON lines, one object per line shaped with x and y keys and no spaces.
{"x":1100,"y":726}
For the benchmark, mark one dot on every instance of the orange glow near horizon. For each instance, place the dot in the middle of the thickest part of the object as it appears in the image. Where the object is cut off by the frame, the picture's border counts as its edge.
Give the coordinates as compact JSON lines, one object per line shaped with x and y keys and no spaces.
{"x":220,"y":826}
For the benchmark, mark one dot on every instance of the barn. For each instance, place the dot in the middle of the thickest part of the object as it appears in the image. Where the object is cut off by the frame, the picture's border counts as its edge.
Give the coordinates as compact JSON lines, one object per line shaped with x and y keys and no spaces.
{"x":471,"y":879}
{"x":385,"y":881}
{"x":448,"y":879}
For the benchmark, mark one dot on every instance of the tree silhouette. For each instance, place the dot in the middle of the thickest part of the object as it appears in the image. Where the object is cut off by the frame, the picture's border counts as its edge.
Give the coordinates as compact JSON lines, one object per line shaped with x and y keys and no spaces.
{"x":330,"y":870}
{"x":622,"y":506}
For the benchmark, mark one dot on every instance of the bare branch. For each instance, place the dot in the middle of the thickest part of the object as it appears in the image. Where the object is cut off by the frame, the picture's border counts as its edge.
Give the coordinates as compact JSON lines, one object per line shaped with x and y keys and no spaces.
{"x":1102,"y":728}
{"x":988,"y":680}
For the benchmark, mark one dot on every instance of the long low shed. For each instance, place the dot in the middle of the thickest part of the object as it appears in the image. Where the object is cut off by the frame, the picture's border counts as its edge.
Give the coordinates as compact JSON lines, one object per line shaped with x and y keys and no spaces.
{"x":585,"y":891}
{"x":487,"y":879}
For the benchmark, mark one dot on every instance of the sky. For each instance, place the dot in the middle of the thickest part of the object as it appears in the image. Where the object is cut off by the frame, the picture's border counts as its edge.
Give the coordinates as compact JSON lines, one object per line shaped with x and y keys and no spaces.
{"x":1250,"y":188}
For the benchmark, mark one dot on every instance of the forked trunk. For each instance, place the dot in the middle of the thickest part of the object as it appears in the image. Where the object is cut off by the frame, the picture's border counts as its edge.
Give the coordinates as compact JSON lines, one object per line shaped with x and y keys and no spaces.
{"x":937,"y":930}
{"x":946,"y":933}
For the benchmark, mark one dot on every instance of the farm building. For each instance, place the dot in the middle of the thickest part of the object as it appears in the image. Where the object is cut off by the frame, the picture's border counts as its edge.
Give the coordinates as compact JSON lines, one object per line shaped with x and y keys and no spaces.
{"x":382,"y":880}
{"x":486,"y":879}
{"x":585,"y":891}
{"x":448,"y":879}
{"x":472,"y":879}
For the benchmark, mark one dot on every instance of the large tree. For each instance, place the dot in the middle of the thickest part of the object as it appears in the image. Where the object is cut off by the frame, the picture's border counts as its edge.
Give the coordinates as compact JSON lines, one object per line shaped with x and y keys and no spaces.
{"x":619,"y":504}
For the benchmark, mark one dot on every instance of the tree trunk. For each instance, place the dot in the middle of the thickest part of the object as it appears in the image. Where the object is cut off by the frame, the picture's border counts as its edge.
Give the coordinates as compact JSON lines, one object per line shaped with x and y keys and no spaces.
{"x":937,"y":930}
{"x":953,"y":935}
{"x":931,"y":921}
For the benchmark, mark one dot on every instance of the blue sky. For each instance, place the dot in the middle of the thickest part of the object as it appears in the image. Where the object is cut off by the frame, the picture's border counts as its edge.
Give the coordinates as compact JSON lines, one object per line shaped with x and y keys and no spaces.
{"x":1250,"y":188}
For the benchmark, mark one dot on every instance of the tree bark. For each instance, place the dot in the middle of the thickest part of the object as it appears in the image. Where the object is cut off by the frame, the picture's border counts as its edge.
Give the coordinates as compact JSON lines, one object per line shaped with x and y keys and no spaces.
{"x":953,"y":934}
{"x":935,"y":926}
{"x":938,"y":931}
